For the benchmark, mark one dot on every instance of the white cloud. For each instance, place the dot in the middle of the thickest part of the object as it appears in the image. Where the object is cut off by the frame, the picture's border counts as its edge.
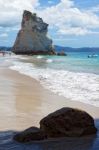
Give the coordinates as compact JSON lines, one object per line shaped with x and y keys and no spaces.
{"x":70,"y":20}
{"x":65,"y":39}
{"x":3,"y":35}
{"x":94,"y":9}
{"x":73,"y":30}
{"x":64,"y":17}
{"x":11,"y":10}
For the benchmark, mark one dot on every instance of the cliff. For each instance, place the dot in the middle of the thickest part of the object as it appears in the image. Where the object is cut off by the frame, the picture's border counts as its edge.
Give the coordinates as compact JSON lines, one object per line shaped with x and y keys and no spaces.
{"x":32,"y":38}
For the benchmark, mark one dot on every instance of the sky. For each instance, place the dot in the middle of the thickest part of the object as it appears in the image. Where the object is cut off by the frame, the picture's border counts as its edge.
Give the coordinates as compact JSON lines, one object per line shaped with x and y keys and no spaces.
{"x":72,"y":23}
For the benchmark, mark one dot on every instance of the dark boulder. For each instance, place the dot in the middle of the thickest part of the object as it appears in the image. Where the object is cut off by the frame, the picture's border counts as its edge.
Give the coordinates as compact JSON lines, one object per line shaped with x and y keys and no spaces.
{"x":30,"y":134}
{"x":68,"y":122}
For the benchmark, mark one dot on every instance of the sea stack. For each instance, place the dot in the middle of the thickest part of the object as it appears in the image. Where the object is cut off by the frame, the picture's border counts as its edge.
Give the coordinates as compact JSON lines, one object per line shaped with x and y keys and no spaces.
{"x":32,"y":38}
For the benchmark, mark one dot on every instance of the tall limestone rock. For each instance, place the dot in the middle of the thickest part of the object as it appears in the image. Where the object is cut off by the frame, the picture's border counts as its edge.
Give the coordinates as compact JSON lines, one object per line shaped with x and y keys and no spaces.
{"x":32,"y":38}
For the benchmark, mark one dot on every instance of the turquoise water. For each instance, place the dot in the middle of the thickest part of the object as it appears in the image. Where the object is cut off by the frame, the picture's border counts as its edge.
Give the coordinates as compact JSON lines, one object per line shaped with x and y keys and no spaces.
{"x":77,"y":62}
{"x":75,"y":76}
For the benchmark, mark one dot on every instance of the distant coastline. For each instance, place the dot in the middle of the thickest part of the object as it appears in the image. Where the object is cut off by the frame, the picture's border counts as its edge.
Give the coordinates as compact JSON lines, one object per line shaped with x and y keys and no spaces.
{"x":65,"y":48}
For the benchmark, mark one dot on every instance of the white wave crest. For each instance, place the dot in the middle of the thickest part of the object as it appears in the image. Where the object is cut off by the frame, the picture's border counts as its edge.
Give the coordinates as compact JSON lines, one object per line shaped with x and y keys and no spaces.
{"x":49,"y":60}
{"x":83,"y":87}
{"x":39,"y":57}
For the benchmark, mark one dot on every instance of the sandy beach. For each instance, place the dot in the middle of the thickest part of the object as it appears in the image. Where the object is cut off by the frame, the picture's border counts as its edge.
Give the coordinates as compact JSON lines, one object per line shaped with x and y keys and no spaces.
{"x":24,"y":102}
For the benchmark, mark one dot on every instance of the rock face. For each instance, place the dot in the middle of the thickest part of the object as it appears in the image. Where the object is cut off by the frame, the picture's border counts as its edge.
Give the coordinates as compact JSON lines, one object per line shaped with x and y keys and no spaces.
{"x":32,"y":38}
{"x":28,"y":135}
{"x":68,"y":122}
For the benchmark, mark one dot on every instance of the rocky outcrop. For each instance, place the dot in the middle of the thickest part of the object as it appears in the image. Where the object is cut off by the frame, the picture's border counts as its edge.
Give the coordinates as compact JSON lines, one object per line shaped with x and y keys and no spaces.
{"x":68,"y":122}
{"x":32,"y":38}
{"x":28,"y":135}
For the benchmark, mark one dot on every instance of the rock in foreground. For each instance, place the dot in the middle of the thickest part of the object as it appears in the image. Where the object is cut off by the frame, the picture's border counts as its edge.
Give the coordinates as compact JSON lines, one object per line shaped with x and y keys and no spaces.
{"x":28,"y":135}
{"x":32,"y":38}
{"x":68,"y":122}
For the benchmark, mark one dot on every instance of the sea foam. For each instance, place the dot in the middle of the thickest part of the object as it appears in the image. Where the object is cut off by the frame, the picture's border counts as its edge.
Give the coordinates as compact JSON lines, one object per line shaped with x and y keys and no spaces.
{"x":83,"y":87}
{"x":39,"y":57}
{"x":49,"y":60}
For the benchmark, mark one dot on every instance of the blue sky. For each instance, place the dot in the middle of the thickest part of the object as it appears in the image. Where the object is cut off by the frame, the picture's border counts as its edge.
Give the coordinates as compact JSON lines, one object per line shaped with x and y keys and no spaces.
{"x":73,"y":23}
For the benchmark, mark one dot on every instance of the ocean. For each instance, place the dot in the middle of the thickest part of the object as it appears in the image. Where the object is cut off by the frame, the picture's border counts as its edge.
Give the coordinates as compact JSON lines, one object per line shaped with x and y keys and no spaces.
{"x":75,"y":76}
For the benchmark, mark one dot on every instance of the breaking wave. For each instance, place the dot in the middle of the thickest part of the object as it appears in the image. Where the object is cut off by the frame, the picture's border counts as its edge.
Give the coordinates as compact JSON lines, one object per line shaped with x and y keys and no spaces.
{"x":76,"y":86}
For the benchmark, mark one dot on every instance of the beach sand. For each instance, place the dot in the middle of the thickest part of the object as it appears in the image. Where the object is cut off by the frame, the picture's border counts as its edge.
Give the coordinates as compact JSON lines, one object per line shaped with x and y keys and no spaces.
{"x":24,"y":102}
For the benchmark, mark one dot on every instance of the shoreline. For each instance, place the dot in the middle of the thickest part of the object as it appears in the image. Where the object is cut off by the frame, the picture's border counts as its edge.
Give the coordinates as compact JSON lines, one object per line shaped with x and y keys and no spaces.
{"x":29,"y":102}
{"x":24,"y":102}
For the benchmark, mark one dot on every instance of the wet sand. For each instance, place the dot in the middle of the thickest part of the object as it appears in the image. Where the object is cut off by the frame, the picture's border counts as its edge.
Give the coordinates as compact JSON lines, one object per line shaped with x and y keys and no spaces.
{"x":23,"y":102}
